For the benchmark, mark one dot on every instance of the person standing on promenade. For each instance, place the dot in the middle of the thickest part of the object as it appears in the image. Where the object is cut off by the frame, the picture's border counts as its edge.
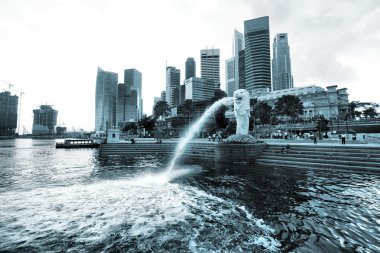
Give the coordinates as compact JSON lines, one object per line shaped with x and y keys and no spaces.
{"x":343,"y":138}
{"x":315,"y":138}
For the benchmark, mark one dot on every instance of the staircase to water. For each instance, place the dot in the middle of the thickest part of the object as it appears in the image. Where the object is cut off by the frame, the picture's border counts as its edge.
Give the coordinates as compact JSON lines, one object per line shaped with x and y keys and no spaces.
{"x":358,"y":158}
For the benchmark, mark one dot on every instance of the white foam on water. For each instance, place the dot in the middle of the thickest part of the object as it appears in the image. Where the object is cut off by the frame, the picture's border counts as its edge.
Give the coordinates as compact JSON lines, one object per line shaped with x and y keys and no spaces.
{"x":137,"y":206}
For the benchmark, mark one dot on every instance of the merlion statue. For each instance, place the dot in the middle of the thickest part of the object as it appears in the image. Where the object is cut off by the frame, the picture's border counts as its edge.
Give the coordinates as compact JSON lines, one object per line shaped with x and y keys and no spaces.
{"x":242,"y":112}
{"x":241,"y":109}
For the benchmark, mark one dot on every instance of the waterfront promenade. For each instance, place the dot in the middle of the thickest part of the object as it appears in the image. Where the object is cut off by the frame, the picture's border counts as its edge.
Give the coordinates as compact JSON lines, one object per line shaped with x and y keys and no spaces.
{"x":326,"y":154}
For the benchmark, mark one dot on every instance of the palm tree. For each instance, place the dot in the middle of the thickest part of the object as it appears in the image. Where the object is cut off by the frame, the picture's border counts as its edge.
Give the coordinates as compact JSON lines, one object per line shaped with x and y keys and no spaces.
{"x":218,"y":94}
{"x":288,"y":106}
{"x":161,"y":109}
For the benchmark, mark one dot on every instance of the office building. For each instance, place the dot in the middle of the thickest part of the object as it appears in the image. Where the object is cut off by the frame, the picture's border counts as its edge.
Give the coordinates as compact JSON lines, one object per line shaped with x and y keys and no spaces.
{"x":126,"y":105}
{"x":105,"y":99}
{"x":8,"y":113}
{"x":230,"y":77}
{"x":238,"y":46}
{"x":182,"y":94}
{"x":163,"y":95}
{"x":257,"y":56}
{"x":133,"y":81}
{"x":210,"y":66}
{"x":241,"y":69}
{"x":199,"y":89}
{"x":173,"y":76}
{"x":44,"y":120}
{"x":281,"y":64}
{"x":190,"y":68}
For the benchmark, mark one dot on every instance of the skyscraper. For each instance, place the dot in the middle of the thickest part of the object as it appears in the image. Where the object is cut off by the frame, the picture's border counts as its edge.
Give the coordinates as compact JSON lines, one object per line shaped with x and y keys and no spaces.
{"x":238,"y":46}
{"x":105,"y":99}
{"x":230,"y":76}
{"x":281,"y":64}
{"x":126,"y":104}
{"x":173,"y":77}
{"x":163,"y":95}
{"x":190,"y":68}
{"x":199,"y":89}
{"x":210,"y":65}
{"x":44,"y":120}
{"x":257,"y":56}
{"x":133,"y":81}
{"x":8,"y":113}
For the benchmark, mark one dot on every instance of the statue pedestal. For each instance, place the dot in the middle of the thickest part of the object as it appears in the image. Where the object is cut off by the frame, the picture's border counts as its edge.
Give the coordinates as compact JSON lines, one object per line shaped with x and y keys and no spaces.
{"x":234,"y":153}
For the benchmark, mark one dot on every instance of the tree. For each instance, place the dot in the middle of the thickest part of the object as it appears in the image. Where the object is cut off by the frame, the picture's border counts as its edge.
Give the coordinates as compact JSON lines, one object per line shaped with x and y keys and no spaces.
{"x":161,"y":109}
{"x":147,"y":122}
{"x":230,"y":129}
{"x":322,"y":125}
{"x":220,"y":118}
{"x":357,"y":109}
{"x":130,"y":128}
{"x":218,"y":94}
{"x":370,"y":113}
{"x":289,"y":106}
{"x":263,"y":112}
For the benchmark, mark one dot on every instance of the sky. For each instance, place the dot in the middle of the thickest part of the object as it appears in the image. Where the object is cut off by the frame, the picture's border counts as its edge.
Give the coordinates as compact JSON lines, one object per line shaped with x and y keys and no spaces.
{"x":50,"y":49}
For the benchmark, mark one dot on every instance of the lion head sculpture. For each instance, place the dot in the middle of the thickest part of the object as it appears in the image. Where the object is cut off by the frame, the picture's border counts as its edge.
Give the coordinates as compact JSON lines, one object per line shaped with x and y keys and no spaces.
{"x":241,"y":102}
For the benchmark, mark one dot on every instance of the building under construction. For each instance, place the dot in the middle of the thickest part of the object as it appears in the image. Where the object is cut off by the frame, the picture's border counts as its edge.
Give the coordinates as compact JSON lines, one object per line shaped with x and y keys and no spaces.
{"x":8,"y":113}
{"x":44,"y":120}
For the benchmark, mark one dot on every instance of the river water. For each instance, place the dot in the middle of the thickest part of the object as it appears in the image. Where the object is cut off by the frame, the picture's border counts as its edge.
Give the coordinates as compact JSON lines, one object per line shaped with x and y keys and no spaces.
{"x":57,"y":200}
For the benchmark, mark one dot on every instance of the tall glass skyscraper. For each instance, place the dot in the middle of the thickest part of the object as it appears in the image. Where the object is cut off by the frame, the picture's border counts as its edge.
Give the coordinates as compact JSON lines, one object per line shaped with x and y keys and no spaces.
{"x":238,"y":46}
{"x":210,"y":65}
{"x":190,"y":68}
{"x":281,"y":66}
{"x":230,"y":76}
{"x":133,"y":81}
{"x":105,"y":99}
{"x":173,"y":76}
{"x":257,"y":56}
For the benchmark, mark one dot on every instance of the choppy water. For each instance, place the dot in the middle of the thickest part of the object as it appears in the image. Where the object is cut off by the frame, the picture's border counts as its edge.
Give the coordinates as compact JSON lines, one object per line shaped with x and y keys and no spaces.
{"x":74,"y":201}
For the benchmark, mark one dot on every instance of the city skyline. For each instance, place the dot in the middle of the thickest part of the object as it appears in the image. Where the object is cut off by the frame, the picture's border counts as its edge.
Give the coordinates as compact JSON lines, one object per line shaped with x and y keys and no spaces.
{"x":53,"y":59}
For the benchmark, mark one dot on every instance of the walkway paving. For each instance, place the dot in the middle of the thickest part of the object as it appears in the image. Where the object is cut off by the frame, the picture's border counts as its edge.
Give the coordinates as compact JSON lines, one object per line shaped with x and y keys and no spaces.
{"x":275,"y":141}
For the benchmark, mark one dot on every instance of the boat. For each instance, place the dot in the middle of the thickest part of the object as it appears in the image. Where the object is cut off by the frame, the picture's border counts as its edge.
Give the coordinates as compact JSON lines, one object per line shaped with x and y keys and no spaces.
{"x":77,"y":143}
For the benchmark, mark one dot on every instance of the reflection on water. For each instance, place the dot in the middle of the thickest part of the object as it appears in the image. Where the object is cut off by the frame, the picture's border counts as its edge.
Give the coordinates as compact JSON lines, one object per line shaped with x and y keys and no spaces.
{"x":73,"y":200}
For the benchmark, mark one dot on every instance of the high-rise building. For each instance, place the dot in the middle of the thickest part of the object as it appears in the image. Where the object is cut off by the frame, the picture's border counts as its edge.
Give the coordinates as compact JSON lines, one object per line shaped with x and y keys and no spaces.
{"x":182,"y":94}
{"x":105,"y":99}
{"x":238,"y":46}
{"x":281,"y":64}
{"x":173,"y":77}
{"x":190,"y":68}
{"x":210,"y":65}
{"x":163,"y":95}
{"x":133,"y":79}
{"x":230,"y":76}
{"x":126,"y":105}
{"x":199,"y":89}
{"x":241,"y":69}
{"x":8,"y":113}
{"x":257,"y":56}
{"x":44,"y":120}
